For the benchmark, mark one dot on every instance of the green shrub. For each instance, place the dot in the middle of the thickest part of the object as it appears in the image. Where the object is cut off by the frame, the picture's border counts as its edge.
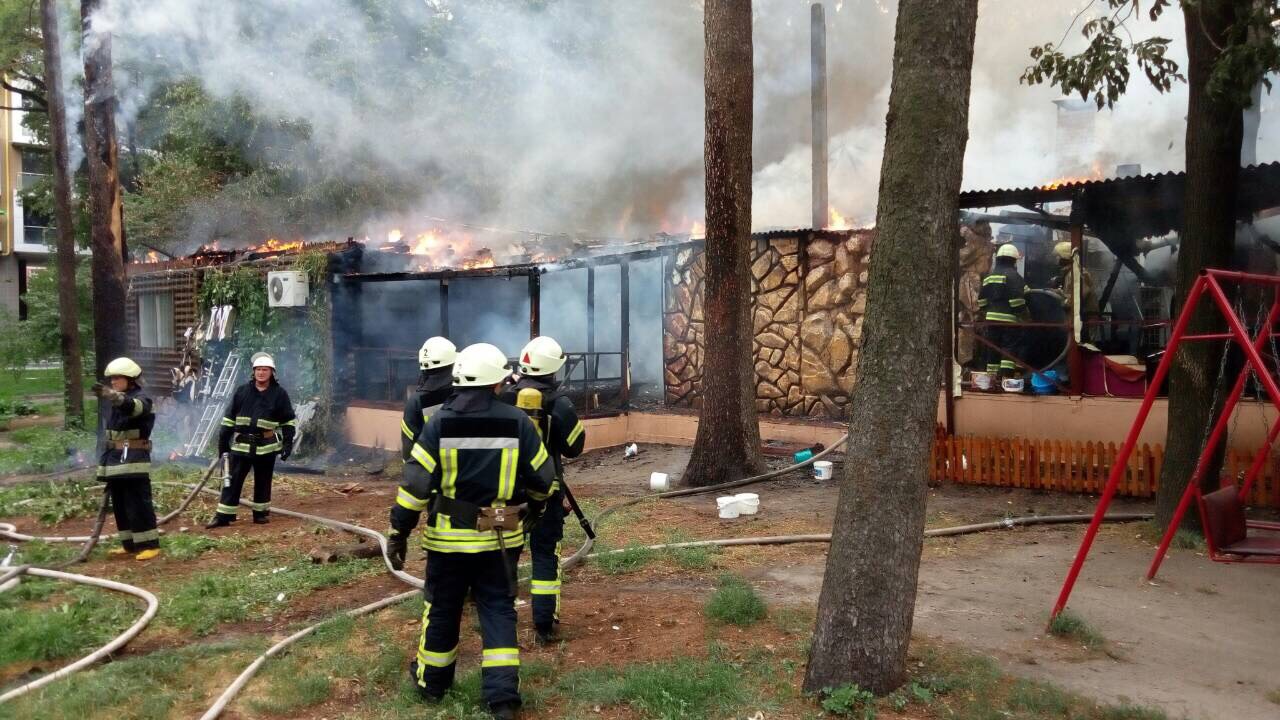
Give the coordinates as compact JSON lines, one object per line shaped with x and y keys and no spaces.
{"x":850,"y":701}
{"x":735,"y":602}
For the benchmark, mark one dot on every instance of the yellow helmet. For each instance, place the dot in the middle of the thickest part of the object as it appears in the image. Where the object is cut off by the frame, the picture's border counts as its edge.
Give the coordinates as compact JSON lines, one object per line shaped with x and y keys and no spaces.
{"x":1008,"y":250}
{"x":1062,"y":250}
{"x":123,"y":367}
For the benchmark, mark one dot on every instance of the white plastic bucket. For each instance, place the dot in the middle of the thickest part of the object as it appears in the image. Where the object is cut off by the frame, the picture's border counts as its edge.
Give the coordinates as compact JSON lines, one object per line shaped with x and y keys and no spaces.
{"x":822,"y":470}
{"x":728,"y":507}
{"x":748,"y":503}
{"x":658,"y":482}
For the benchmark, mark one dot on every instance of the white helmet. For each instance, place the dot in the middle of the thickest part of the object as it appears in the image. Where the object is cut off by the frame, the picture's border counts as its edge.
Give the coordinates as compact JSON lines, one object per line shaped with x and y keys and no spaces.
{"x":479,"y":365}
{"x":123,"y":367}
{"x":262,"y":360}
{"x":541,"y":356}
{"x":436,"y":352}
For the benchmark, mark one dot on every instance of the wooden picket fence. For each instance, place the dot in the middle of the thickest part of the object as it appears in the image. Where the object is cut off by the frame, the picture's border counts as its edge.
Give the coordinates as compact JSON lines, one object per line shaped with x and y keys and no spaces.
{"x":1079,"y":467}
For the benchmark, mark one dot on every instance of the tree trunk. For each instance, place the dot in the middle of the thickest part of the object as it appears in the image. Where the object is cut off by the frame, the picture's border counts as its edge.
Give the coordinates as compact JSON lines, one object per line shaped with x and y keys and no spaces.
{"x":728,"y":442}
{"x":1214,"y":135}
{"x":68,"y":307}
{"x":106,"y":219}
{"x":869,"y":591}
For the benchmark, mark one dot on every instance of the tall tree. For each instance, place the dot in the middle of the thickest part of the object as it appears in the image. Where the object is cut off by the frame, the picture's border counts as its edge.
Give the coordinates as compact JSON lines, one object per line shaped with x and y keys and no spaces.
{"x":728,"y":440}
{"x":68,"y":310}
{"x":1231,"y":46}
{"x":106,"y":211}
{"x":869,"y":591}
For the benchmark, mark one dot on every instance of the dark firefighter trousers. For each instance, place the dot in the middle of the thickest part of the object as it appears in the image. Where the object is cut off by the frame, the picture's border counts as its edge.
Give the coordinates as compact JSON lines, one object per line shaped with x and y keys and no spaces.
{"x":450,"y":577}
{"x":134,"y":511}
{"x":1011,"y":339}
{"x":544,"y":551}
{"x":263,"y":466}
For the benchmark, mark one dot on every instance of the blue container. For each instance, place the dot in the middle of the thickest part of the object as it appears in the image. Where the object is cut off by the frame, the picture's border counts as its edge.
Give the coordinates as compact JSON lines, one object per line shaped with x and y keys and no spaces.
{"x":1044,"y":383}
{"x":803,"y":455}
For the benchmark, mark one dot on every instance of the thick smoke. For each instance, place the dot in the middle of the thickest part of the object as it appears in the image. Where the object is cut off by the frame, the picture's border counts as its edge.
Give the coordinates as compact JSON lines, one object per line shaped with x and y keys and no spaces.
{"x":586,"y":117}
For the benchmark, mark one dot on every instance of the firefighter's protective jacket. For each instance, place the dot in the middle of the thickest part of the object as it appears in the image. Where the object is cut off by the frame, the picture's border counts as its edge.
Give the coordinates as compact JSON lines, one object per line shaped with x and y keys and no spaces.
{"x":562,"y":433}
{"x":1002,"y":298}
{"x":258,"y":422}
{"x":426,"y":399}
{"x":481,"y":452}
{"x":127,"y":453}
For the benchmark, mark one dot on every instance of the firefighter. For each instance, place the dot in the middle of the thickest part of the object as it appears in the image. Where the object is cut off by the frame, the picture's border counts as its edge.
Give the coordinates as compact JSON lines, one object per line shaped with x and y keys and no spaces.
{"x":435,"y":384}
{"x":480,"y":465}
{"x":258,"y":425}
{"x":125,"y":464}
{"x":563,"y":435}
{"x":1002,"y":301}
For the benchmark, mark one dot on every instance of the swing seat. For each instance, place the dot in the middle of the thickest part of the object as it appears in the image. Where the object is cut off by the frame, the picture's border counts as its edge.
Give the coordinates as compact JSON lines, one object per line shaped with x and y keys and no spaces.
{"x":1227,"y":530}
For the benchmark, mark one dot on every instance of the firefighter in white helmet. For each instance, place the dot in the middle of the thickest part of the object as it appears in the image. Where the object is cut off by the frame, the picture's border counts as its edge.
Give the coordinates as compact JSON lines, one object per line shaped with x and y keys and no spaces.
{"x":480,"y":472}
{"x":125,"y":464}
{"x":1002,"y":302}
{"x":435,"y":384}
{"x":564,"y":436}
{"x":258,"y":425}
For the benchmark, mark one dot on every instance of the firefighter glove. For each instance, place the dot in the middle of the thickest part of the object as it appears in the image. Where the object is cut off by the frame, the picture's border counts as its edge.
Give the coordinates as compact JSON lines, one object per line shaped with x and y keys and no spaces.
{"x":397,"y":548}
{"x":286,"y":450}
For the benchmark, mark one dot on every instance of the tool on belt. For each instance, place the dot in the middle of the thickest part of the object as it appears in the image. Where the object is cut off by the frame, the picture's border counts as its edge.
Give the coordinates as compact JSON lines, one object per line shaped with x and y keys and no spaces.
{"x":125,"y":445}
{"x":498,"y":520}
{"x":530,"y":401}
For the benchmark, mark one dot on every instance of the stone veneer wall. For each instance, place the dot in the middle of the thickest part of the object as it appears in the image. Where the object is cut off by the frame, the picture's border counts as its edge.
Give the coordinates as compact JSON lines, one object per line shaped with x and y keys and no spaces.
{"x":810,"y":293}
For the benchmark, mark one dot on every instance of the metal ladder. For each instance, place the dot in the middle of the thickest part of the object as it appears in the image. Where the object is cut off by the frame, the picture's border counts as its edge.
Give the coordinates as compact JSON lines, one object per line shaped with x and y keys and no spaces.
{"x":211,"y":416}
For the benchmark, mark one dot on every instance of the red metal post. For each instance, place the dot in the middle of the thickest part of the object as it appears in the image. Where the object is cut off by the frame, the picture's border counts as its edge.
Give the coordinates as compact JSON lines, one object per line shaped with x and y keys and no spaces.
{"x":1121,"y":462}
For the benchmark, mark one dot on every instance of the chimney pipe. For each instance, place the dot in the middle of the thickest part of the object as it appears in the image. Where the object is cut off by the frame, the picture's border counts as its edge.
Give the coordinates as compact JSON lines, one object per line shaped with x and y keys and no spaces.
{"x":818,"y":68}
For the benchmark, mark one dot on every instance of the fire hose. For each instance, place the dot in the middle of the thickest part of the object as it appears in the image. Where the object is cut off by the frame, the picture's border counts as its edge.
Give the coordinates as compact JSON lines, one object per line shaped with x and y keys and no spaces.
{"x":583,"y":552}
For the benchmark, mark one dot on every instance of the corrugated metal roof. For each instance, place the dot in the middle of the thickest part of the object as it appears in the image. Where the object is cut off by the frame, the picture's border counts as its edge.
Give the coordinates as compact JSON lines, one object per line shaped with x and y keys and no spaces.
{"x":1000,"y":197}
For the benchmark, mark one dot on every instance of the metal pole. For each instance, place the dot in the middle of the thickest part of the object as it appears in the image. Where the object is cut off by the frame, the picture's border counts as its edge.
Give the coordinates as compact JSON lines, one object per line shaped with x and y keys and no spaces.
{"x":624,"y":279}
{"x":1121,"y":463}
{"x":1075,"y":360}
{"x":592,"y":365}
{"x":818,"y":86}
{"x":444,"y":307}
{"x":535,"y":304}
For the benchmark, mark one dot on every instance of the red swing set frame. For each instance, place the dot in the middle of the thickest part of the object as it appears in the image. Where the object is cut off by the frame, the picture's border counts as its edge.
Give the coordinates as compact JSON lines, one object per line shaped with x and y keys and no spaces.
{"x":1209,"y":282}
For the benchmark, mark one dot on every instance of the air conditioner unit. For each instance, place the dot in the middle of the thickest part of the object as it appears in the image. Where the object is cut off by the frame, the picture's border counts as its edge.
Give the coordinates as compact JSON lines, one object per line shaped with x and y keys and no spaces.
{"x":287,"y":288}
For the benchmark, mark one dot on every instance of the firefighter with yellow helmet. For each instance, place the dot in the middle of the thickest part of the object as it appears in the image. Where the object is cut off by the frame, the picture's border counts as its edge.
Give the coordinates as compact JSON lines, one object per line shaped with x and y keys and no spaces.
{"x":480,"y":472}
{"x":125,"y":463}
{"x":435,"y":385}
{"x":1002,"y":302}
{"x":259,"y":424}
{"x":538,"y":393}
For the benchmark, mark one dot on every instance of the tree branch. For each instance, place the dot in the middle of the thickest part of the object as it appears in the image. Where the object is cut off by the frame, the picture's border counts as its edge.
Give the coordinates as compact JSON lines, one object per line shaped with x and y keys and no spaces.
{"x":26,"y":93}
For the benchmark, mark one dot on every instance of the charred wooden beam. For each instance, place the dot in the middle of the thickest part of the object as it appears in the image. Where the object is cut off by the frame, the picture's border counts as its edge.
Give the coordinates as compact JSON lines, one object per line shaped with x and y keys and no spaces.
{"x":589,"y":371}
{"x":624,"y":284}
{"x":444,"y":307}
{"x":535,"y":305}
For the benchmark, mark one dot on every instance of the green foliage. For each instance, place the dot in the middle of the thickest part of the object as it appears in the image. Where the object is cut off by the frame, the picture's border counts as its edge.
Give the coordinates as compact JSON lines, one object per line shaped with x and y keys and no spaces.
{"x":626,"y":560}
{"x":41,"y":329}
{"x":51,"y":501}
{"x":146,"y":687}
{"x":16,"y":349}
{"x":201,"y":602}
{"x":43,"y":449}
{"x":672,"y":690}
{"x":735,"y":602}
{"x":1247,"y":53}
{"x":64,"y":625}
{"x":1067,"y":624}
{"x":850,"y":701}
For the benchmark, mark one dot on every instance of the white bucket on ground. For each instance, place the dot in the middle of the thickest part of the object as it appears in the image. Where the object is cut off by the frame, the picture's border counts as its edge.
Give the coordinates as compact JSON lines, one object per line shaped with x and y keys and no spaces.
{"x":659,"y":482}
{"x":728,"y":506}
{"x":822,"y":470}
{"x":748,"y":503}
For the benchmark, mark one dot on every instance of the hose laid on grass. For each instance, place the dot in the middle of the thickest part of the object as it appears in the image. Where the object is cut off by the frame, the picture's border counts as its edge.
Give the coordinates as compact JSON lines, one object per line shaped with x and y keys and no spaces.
{"x":152,"y":606}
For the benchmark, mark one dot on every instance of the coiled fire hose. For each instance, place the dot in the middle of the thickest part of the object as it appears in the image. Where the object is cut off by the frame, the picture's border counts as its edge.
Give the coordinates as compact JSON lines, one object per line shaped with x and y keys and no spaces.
{"x":583,"y":552}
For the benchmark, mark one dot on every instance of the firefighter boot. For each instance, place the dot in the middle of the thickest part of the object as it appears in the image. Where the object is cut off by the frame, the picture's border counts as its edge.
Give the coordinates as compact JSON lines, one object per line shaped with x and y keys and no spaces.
{"x":505,"y":711}
{"x":548,"y":634}
{"x":148,"y":554}
{"x":220,"y":520}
